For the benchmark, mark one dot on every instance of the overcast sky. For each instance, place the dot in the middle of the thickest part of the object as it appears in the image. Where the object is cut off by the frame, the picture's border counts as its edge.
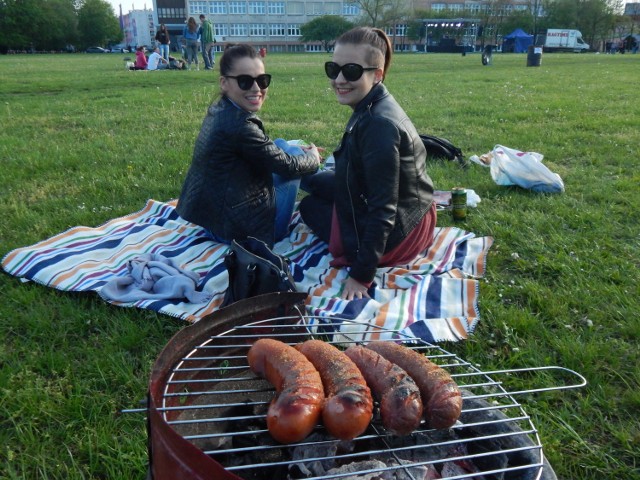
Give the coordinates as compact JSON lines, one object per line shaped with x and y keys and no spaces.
{"x":128,"y":5}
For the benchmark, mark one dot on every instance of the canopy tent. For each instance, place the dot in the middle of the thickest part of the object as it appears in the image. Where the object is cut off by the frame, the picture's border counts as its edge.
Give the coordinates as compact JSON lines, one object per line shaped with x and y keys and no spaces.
{"x":517,"y":41}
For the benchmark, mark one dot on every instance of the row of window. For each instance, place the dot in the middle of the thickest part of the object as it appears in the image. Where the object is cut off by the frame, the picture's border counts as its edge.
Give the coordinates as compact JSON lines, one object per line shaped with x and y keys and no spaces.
{"x":279,"y":30}
{"x":475,"y":7}
{"x":235,"y":7}
{"x":256,"y":30}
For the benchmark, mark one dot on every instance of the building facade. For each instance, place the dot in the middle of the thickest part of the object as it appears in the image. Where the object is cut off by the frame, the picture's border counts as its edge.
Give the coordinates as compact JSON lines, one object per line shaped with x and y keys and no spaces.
{"x":138,"y":28}
{"x":270,"y":24}
{"x":275,"y":24}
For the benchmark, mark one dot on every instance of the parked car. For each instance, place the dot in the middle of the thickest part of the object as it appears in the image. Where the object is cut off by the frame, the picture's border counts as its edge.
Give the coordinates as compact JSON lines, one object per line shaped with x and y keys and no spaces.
{"x":119,"y":49}
{"x":96,"y":50}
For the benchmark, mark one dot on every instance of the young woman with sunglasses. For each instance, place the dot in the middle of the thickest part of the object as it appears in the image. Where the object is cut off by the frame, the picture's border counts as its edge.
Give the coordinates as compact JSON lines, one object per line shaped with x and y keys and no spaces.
{"x":240,"y":183}
{"x":377,"y":208}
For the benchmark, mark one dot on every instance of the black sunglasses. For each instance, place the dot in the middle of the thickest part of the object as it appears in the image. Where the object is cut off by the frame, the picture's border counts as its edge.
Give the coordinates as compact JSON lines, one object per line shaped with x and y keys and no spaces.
{"x":350,"y":71}
{"x":245,"y":82}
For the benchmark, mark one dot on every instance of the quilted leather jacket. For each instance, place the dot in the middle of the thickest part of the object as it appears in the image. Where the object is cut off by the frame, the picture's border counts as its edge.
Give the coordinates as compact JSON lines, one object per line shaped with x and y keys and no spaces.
{"x":382,"y":188}
{"x":229,"y":186}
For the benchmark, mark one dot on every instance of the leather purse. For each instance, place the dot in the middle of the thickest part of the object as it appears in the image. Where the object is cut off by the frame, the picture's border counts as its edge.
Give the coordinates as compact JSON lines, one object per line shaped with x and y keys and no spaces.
{"x":255,"y":270}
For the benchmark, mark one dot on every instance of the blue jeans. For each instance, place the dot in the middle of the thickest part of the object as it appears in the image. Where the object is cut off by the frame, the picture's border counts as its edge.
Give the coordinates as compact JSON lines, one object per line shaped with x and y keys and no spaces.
{"x":164,"y":51}
{"x":286,"y":193}
{"x":192,"y":51}
{"x":208,"y":55}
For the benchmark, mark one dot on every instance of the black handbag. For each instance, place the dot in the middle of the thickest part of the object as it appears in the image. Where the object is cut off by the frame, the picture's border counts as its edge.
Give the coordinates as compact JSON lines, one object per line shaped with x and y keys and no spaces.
{"x":438,"y":147}
{"x":255,"y":270}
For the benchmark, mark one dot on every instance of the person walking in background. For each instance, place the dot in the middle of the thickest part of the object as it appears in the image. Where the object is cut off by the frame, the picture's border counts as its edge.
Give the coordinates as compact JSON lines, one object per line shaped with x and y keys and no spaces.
{"x":240,"y":183}
{"x":163,"y":38}
{"x":190,"y":34}
{"x":157,"y":61}
{"x":377,"y":209}
{"x":207,"y":40}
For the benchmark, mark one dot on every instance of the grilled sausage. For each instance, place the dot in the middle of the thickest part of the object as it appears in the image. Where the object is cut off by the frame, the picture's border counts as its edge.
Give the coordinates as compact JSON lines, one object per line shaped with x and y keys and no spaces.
{"x":297,"y":406}
{"x":399,"y":396}
{"x":348,"y":406}
{"x":440,"y":394}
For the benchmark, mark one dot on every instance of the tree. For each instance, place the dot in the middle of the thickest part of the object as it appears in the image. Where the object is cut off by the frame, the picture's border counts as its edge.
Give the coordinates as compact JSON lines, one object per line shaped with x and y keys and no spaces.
{"x":98,"y":24}
{"x":325,"y":29}
{"x":373,"y":10}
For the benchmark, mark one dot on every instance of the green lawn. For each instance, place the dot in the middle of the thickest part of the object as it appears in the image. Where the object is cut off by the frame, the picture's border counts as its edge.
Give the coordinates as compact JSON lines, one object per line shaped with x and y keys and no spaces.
{"x":82,"y":141}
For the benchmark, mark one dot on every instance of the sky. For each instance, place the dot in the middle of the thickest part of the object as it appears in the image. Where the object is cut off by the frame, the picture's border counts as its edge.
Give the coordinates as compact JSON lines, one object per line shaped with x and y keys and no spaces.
{"x":128,"y":5}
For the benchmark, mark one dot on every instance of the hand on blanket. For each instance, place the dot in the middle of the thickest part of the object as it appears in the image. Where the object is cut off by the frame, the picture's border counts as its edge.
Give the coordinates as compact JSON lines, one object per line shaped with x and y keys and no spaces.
{"x":353,"y":289}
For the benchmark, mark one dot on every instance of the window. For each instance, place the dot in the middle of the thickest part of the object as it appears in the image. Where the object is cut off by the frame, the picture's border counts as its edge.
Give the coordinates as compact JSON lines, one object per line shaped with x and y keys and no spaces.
{"x":237,"y":8}
{"x":331,"y":8}
{"x":196,"y":8}
{"x":220,"y":29}
{"x":275,"y":8}
{"x":350,"y":9}
{"x":277,"y":30}
{"x":438,"y":7}
{"x":258,"y":30}
{"x":474,"y":8}
{"x":456,"y":7}
{"x":218,"y":8}
{"x":294,"y":30}
{"x":315,"y":8}
{"x":295,"y":8}
{"x":257,"y":8}
{"x":238,"y":30}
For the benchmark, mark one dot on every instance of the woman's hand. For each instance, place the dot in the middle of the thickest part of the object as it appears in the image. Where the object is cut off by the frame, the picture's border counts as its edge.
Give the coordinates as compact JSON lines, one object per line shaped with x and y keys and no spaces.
{"x":353,"y":289}
{"x":313,"y":150}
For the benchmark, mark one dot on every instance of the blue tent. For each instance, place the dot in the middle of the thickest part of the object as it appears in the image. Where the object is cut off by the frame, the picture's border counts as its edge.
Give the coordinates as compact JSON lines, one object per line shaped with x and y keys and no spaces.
{"x":517,"y":41}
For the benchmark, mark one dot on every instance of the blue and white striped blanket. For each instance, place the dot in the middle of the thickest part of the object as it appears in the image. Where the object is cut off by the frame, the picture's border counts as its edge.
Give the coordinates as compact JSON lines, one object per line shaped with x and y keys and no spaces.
{"x":435,"y":297}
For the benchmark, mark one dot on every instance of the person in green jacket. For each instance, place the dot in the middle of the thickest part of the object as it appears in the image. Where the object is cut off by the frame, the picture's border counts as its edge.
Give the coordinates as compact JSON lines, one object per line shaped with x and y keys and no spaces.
{"x":207,"y":40}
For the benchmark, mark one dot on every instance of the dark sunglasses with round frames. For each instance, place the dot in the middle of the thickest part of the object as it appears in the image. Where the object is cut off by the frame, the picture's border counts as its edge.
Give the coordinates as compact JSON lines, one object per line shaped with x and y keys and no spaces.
{"x":350,"y":71}
{"x":245,"y":82}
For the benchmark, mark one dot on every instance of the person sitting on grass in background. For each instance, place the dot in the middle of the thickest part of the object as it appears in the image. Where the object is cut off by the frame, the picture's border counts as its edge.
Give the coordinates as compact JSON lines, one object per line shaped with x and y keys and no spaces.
{"x":141,"y":59}
{"x":156,"y":62}
{"x":177,"y":63}
{"x":240,"y":183}
{"x":377,"y":209}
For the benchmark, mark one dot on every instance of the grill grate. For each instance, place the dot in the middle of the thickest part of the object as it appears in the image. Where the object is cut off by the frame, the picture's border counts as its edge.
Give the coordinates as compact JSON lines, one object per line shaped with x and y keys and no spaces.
{"x":208,"y":396}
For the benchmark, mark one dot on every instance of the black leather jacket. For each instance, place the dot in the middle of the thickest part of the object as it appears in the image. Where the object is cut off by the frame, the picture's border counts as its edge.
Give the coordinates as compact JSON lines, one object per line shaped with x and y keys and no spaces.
{"x":229,"y":187}
{"x":382,"y":187}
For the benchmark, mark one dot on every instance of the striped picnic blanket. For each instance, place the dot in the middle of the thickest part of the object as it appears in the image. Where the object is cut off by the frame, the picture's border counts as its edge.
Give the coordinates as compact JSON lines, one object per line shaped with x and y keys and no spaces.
{"x":435,"y":297}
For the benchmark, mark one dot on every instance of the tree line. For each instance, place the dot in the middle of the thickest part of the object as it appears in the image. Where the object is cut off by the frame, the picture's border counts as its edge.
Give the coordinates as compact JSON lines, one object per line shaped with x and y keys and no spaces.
{"x":45,"y":25}
{"x":597,"y":20}
{"x":55,"y":25}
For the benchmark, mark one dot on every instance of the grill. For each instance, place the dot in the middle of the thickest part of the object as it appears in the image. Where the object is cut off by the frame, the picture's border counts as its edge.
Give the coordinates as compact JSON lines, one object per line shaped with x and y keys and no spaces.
{"x":206,"y":410}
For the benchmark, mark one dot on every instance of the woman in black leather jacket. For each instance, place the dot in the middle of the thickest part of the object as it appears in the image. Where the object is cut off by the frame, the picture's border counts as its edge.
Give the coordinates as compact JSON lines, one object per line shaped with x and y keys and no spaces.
{"x":377,"y":209}
{"x":240,"y":183}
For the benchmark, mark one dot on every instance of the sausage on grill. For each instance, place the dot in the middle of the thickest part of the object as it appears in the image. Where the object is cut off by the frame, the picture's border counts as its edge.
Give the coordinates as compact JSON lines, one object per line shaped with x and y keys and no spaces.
{"x":440,"y":394}
{"x":348,"y":406}
{"x":297,"y":406}
{"x":397,"y":393}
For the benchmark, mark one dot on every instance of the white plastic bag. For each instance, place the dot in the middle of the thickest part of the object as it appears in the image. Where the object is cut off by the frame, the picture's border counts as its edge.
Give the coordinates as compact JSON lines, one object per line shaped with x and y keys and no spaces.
{"x":525,"y":169}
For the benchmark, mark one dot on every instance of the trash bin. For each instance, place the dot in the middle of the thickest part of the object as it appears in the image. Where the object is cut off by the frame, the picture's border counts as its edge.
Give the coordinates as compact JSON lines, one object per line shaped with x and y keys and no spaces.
{"x":263,"y":52}
{"x":534,"y":56}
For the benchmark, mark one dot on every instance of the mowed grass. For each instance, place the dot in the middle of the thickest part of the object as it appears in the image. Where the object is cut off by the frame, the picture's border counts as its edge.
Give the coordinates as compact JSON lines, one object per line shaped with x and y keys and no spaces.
{"x":83,"y":141}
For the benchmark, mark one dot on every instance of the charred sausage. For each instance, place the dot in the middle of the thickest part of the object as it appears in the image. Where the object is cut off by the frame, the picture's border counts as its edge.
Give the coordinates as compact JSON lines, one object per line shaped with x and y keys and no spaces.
{"x":348,"y":406}
{"x":297,"y":406}
{"x":397,"y":393}
{"x":440,"y":394}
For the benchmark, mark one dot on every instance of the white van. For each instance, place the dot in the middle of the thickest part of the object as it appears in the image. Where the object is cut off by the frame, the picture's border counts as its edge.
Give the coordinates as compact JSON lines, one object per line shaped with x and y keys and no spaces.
{"x":560,"y":39}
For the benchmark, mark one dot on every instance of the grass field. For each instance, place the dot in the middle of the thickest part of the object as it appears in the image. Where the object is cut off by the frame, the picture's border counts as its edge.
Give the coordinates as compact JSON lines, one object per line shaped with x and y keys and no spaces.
{"x":83,"y":141}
